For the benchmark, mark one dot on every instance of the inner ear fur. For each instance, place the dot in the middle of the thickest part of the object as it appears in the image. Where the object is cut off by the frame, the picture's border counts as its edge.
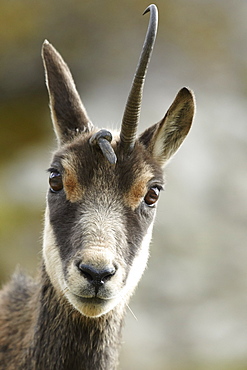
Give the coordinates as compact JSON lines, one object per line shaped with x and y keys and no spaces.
{"x":165,"y":137}
{"x":68,"y":113}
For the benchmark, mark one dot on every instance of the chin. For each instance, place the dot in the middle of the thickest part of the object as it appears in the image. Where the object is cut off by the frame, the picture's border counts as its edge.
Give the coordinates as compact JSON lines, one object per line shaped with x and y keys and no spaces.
{"x":92,"y":307}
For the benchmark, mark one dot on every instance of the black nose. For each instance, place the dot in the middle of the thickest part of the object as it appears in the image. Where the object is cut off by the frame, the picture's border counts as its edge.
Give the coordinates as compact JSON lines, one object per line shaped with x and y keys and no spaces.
{"x":95,"y":276}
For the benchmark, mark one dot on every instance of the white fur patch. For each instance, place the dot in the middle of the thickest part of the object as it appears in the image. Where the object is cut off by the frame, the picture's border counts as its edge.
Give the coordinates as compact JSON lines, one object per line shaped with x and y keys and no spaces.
{"x":139,"y":264}
{"x":51,"y":256}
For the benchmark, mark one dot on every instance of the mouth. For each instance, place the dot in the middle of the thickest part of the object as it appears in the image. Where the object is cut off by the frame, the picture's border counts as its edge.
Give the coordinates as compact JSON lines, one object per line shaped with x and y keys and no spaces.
{"x":92,"y":301}
{"x":93,"y":306}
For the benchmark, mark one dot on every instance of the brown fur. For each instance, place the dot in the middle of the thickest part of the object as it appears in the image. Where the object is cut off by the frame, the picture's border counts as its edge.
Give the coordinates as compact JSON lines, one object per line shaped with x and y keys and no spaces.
{"x":139,"y":187}
{"x":72,"y":185}
{"x":53,"y":335}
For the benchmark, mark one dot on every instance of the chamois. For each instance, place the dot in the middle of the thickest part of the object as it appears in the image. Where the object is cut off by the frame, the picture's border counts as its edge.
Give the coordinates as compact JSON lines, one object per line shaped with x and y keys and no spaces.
{"x":101,"y":204}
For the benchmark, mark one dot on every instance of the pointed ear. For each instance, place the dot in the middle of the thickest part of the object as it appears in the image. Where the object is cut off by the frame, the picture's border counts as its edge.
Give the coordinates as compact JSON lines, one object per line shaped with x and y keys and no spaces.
{"x":164,"y":138}
{"x":68,"y":113}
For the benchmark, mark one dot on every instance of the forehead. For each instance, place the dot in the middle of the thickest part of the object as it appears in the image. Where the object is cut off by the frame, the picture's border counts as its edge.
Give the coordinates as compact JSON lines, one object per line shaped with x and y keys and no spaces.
{"x":85,"y":169}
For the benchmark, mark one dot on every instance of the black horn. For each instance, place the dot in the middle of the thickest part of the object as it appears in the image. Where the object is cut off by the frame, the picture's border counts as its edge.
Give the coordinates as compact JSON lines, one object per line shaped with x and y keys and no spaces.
{"x":103,"y":139}
{"x":133,"y":106}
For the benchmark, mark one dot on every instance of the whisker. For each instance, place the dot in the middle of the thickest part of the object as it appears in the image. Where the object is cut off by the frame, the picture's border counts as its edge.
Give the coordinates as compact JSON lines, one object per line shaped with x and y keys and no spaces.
{"x":127,"y":305}
{"x":131,"y":312}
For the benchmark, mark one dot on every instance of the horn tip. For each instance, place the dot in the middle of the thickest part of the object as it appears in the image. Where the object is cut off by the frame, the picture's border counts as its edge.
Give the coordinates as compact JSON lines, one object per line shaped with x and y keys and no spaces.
{"x":148,"y":9}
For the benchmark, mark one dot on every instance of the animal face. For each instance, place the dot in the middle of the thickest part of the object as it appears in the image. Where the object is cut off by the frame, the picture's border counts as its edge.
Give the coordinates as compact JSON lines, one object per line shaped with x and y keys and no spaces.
{"x":103,"y":190}
{"x":98,"y":223}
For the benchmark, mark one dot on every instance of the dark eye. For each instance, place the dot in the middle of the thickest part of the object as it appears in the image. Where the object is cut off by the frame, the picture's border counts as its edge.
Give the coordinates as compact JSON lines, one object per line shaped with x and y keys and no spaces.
{"x":152,"y":196}
{"x":55,"y":181}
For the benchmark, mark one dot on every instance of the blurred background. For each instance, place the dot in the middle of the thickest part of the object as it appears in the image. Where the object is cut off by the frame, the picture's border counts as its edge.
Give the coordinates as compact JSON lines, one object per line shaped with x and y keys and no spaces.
{"x":191,"y":305}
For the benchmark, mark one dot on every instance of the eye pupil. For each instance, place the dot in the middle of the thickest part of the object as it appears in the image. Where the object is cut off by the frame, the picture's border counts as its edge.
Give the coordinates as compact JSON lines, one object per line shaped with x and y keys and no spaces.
{"x":152,"y":196}
{"x":55,"y":181}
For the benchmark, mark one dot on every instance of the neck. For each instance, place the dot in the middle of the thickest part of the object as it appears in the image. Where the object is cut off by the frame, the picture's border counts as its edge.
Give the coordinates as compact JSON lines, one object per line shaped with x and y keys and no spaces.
{"x":65,"y":339}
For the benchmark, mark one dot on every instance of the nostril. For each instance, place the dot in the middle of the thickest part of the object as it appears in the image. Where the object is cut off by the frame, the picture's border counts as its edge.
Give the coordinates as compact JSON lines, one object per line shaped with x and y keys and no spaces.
{"x":96,"y":276}
{"x":86,"y":274}
{"x":107,"y":274}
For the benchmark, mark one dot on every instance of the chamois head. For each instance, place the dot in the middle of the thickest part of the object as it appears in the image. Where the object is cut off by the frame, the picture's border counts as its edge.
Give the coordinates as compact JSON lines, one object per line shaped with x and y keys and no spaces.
{"x":104,"y":188}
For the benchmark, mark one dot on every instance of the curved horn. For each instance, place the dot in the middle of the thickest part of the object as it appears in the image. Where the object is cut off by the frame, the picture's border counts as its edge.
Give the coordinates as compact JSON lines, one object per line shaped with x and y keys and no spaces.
{"x":103,"y":139}
{"x":133,"y":106}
